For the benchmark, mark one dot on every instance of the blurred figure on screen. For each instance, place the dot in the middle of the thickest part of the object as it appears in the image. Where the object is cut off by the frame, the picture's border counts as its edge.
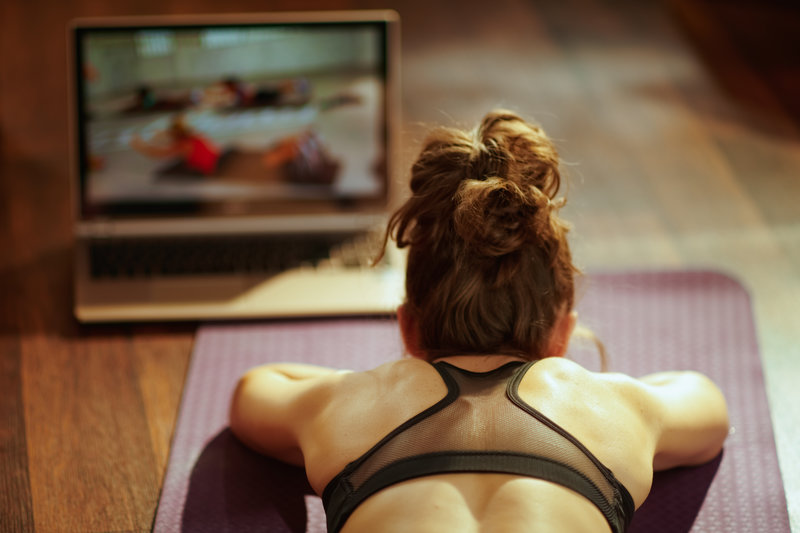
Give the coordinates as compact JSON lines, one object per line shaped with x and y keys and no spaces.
{"x":303,"y":159}
{"x":191,"y":151}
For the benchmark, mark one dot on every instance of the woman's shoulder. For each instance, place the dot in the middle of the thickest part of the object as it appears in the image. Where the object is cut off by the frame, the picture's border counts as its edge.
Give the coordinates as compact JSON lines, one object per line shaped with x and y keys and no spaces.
{"x":607,"y":412}
{"x":362,"y":407}
{"x":402,"y":375}
{"x":562,"y":371}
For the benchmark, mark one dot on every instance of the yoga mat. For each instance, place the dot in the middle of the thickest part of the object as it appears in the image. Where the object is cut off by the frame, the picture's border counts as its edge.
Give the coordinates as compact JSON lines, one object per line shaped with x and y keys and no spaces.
{"x":649,"y":321}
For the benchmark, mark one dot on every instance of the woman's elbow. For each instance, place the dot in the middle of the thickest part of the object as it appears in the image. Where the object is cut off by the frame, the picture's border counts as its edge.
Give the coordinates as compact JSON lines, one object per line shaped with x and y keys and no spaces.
{"x":236,"y":420}
{"x":697,"y":420}
{"x":250,"y":423}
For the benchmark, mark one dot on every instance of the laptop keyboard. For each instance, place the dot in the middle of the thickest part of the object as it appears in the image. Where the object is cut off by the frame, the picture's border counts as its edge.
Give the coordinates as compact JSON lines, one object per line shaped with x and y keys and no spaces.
{"x":131,"y":258}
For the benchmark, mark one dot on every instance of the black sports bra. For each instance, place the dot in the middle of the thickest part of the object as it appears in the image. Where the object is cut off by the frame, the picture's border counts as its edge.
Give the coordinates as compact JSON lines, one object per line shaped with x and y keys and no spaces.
{"x":481,"y":425}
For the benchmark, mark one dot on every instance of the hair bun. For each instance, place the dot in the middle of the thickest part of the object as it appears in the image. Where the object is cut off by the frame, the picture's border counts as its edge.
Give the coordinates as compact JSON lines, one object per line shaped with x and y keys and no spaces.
{"x":496,"y":217}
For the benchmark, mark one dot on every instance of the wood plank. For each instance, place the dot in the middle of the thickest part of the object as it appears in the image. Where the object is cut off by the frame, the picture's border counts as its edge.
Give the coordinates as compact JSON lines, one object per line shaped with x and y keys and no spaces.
{"x":15,"y":493}
{"x":750,"y":48}
{"x":161,"y":358}
{"x":100,"y":403}
{"x":88,"y":444}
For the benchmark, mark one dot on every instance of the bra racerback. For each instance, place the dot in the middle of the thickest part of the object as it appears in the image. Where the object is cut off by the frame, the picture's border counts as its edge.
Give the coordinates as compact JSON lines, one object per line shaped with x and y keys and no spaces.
{"x":481,"y":425}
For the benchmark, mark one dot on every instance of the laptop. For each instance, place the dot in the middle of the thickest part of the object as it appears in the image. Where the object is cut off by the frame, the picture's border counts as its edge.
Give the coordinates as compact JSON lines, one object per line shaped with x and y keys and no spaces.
{"x":234,"y":166}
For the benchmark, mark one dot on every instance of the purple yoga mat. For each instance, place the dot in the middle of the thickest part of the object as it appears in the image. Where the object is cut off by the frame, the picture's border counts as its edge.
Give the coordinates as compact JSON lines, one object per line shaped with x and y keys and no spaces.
{"x":649,"y":322}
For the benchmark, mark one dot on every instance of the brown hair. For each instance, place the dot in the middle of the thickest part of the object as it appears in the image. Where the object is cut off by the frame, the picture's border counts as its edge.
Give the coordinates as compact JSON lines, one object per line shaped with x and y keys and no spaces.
{"x":489,"y":267}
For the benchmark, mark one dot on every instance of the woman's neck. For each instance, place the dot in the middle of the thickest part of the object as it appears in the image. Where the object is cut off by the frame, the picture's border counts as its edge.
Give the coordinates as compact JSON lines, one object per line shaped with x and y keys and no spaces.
{"x":479,"y":363}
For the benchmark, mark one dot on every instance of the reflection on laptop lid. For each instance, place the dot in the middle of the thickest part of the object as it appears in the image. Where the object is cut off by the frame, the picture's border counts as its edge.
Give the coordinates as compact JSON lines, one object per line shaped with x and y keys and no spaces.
{"x":229,"y":125}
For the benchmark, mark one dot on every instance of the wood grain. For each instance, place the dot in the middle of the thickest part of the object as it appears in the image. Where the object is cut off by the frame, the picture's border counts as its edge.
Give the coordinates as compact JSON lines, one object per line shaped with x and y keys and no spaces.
{"x":15,"y":494}
{"x":677,"y":123}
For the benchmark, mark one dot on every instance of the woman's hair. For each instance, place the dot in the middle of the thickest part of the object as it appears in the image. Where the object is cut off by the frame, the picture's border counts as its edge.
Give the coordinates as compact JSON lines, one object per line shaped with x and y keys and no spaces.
{"x":489,"y":267}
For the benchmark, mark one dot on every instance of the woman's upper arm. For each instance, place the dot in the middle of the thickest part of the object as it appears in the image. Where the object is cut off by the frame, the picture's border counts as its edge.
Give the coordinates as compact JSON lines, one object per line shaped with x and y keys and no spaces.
{"x":273,"y":403}
{"x":689,"y":415}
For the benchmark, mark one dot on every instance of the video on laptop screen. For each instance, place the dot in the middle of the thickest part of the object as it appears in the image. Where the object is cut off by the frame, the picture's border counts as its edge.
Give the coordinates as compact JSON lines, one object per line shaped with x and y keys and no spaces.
{"x":233,"y":119}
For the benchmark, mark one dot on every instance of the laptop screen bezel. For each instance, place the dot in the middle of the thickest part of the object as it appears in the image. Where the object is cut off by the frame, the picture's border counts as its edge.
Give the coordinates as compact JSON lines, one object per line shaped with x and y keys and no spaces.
{"x":202,"y":217}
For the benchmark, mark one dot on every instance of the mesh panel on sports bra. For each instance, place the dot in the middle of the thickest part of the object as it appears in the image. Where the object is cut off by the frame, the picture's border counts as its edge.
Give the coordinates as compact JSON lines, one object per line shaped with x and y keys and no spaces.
{"x":484,"y":418}
{"x":481,"y":425}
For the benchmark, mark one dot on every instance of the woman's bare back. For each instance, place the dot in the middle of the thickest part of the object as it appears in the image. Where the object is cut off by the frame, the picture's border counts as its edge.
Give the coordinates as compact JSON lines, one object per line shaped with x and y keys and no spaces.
{"x":364,"y":407}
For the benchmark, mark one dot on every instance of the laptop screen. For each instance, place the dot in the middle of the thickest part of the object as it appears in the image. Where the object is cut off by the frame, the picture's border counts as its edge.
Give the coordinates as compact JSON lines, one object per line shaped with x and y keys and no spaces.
{"x":231,"y":119}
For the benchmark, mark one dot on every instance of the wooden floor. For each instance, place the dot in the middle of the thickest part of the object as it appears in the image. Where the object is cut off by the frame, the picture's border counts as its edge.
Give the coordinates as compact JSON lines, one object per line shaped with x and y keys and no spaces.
{"x":677,"y":121}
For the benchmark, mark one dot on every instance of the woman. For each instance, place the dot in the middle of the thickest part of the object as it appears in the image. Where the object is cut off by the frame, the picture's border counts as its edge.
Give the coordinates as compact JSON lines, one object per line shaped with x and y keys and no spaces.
{"x":191,"y":152}
{"x":486,"y":427}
